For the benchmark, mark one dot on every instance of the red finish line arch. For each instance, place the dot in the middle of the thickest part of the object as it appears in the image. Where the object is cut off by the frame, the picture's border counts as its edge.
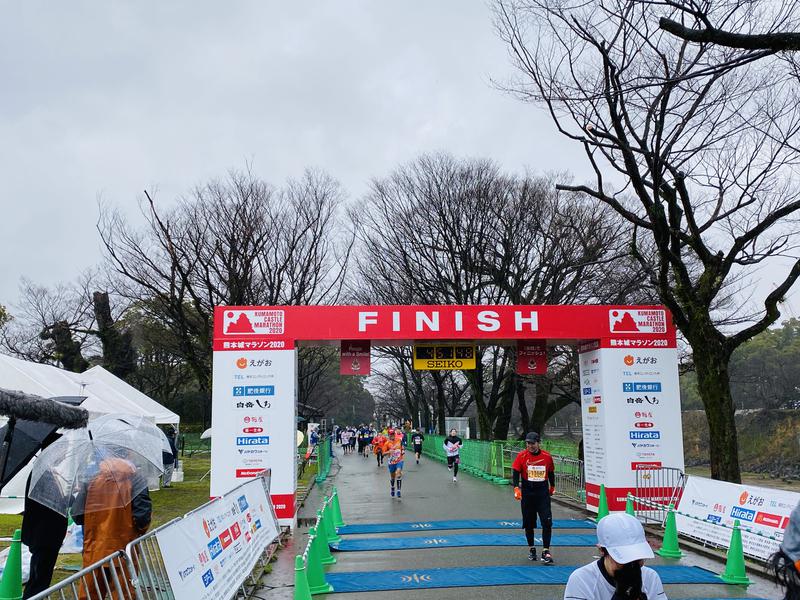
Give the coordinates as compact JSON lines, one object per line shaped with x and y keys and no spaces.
{"x":628,"y":370}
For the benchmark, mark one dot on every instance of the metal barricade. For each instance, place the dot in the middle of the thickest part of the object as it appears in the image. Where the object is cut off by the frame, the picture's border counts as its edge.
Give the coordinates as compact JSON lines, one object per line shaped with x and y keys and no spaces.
{"x":569,"y":478}
{"x":658,"y":487}
{"x":143,"y":555}
{"x":110,"y":576}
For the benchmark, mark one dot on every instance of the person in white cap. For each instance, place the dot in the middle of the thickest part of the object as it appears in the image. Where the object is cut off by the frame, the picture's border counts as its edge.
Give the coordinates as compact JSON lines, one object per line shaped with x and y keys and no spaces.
{"x":785,"y":563}
{"x":620,"y":572}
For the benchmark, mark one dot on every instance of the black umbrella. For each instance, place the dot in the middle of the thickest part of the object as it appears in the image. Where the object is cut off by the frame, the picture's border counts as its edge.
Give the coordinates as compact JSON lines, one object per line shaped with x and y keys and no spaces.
{"x":32,"y":423}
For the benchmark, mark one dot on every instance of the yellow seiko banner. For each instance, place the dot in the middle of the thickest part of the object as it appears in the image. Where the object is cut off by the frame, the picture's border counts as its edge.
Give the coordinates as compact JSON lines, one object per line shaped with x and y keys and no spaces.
{"x":444,"y":357}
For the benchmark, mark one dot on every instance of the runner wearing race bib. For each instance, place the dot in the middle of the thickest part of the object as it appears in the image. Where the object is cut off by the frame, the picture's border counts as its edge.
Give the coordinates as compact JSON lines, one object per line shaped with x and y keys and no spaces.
{"x":416,"y":439}
{"x":377,"y":447}
{"x":394,"y":452}
{"x":534,"y":483}
{"x":452,"y":446}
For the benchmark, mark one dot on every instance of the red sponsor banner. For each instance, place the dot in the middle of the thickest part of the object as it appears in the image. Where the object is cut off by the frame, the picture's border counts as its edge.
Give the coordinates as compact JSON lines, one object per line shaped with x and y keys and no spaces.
{"x":768,"y":519}
{"x":618,"y":496}
{"x":236,"y":531}
{"x":225,"y":538}
{"x":278,"y":327}
{"x":284,"y":505}
{"x":636,"y":466}
{"x":245,"y":473}
{"x":532,"y":357}
{"x":354,"y":357}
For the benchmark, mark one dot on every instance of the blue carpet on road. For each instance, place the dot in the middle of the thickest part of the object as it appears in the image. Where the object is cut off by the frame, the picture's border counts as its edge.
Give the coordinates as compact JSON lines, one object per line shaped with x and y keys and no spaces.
{"x":464,"y":524}
{"x":374,"y":581}
{"x":453,"y":541}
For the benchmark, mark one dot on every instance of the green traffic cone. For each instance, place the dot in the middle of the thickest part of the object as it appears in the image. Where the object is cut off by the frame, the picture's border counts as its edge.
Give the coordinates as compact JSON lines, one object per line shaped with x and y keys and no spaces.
{"x":11,"y":581}
{"x":330,"y":528}
{"x":314,"y":571}
{"x":337,"y":509}
{"x":629,"y":506}
{"x":669,"y":547}
{"x":324,"y":549}
{"x":301,"y":591}
{"x":602,"y":504}
{"x":734,"y":565}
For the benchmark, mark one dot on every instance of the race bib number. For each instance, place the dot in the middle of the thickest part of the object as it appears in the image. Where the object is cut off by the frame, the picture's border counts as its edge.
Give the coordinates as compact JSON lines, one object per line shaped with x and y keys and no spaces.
{"x":537,"y":472}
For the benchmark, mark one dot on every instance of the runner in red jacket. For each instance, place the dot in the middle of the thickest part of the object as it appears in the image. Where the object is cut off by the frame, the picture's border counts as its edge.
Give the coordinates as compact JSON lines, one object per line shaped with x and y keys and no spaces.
{"x":534,"y":483}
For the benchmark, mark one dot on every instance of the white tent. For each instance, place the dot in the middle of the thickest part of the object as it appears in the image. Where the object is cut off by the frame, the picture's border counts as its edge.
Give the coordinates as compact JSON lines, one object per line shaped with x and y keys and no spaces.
{"x":105,"y":392}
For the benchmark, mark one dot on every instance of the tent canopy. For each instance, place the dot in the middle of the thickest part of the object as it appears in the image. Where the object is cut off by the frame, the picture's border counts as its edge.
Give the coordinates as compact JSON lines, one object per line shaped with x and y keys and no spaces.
{"x":105,"y":392}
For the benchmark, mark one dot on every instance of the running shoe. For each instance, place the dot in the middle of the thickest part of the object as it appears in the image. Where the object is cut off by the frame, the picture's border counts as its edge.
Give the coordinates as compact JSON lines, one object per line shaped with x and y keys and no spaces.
{"x":454,"y":480}
{"x":547,"y":558}
{"x":392,"y":492}
{"x":532,"y":554}
{"x":398,"y":493}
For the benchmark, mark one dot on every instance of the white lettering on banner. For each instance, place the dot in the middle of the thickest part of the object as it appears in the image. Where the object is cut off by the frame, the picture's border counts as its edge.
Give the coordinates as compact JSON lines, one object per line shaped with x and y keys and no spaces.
{"x":711,"y":503}
{"x":367,"y":318}
{"x":532,"y":320}
{"x":488,"y":320}
{"x":459,"y":321}
{"x":432,"y":322}
{"x":395,"y":321}
{"x":209,"y":553}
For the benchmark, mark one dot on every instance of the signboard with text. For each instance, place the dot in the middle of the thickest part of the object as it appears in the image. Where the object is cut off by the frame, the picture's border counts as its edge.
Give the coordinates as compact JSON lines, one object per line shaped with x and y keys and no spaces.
{"x":209,"y":553}
{"x":354,"y":358}
{"x":255,"y":386}
{"x":711,"y":503}
{"x":253,"y":420}
{"x":532,"y":357}
{"x":630,"y":408}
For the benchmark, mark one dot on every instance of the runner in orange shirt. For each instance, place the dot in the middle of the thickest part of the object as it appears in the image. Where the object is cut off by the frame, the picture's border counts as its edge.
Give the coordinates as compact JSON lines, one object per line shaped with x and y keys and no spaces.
{"x":377,"y":446}
{"x":395,"y":452}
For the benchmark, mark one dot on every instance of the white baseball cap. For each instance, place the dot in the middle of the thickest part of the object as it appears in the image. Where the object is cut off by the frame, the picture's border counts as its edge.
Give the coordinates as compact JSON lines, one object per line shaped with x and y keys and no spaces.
{"x":623,"y":536}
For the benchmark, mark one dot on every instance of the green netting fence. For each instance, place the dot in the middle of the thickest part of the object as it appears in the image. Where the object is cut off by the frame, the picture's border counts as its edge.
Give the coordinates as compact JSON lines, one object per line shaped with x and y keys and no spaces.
{"x":492,"y":460}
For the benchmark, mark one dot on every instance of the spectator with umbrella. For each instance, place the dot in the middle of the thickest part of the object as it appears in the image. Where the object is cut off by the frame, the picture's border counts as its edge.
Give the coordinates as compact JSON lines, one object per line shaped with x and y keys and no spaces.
{"x":104,"y":468}
{"x":32,"y":424}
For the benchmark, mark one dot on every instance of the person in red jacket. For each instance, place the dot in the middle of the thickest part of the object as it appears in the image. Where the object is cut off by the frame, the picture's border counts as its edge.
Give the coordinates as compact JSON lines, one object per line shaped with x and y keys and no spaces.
{"x":534,"y":483}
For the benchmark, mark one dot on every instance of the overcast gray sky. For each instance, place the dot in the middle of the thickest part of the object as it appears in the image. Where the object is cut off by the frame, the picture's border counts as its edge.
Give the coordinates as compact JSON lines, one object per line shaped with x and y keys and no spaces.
{"x":107,"y":99}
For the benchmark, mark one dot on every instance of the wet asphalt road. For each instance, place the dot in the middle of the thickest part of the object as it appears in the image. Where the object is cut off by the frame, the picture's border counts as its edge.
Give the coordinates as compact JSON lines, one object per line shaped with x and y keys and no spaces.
{"x":430,"y":494}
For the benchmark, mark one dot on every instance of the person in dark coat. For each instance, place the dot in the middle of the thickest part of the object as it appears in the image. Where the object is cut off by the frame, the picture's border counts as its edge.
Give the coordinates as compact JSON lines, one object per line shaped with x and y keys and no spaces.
{"x":170,"y":458}
{"x":43,"y":531}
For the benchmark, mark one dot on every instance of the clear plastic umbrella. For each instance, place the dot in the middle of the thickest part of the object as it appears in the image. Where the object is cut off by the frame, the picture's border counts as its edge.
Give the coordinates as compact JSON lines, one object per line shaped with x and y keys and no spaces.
{"x":100,"y":467}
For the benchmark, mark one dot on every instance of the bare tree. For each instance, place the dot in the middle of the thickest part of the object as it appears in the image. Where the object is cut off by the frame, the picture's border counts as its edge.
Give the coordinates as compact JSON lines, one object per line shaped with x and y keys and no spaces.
{"x":701,"y":162}
{"x":53,"y":325}
{"x":236,"y":241}
{"x":446,"y":231}
{"x":759,"y":28}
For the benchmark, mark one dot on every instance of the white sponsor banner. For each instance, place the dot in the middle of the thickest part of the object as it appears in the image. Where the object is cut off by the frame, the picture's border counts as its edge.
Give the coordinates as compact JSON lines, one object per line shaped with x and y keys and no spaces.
{"x":210,"y":552}
{"x":712,"y":503}
{"x":631,"y":414}
{"x":254,"y":423}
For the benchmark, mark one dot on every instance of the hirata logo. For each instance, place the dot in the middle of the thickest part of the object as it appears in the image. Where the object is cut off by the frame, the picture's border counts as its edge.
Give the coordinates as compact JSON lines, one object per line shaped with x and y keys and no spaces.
{"x":643,"y":425}
{"x":644,"y":435}
{"x":253,"y":430}
{"x":259,"y":440}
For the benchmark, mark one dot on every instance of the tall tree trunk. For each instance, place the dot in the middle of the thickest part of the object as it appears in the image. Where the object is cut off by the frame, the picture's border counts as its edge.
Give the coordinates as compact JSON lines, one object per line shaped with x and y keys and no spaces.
{"x":506,"y":403}
{"x":119,"y":357}
{"x":713,"y":382}
{"x":523,"y":406}
{"x":438,"y":381}
{"x":475,"y":379}
{"x":540,"y":413}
